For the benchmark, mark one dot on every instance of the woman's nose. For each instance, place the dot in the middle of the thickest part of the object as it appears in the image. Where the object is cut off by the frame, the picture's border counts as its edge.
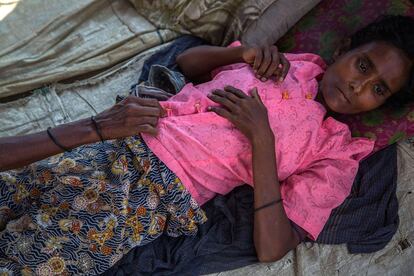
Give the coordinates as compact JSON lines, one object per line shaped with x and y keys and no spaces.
{"x":356,"y":86}
{"x":353,"y":86}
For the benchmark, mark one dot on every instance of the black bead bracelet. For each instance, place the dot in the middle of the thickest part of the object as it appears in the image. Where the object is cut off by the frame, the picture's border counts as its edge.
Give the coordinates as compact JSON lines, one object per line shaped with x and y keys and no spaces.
{"x":269,"y":204}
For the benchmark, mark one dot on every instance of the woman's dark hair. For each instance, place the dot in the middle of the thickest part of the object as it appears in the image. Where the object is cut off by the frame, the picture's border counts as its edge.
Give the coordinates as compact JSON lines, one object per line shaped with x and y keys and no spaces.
{"x":399,"y":31}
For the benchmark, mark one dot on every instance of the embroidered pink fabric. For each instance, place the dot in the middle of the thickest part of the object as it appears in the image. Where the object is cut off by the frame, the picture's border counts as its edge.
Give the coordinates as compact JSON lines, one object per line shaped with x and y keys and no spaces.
{"x":317,"y":159}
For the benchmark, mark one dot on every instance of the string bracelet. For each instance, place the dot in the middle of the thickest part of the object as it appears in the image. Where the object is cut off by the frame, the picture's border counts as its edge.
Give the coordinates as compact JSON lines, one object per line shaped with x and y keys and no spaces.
{"x":274,"y":202}
{"x":97,"y":128}
{"x":49,"y":133}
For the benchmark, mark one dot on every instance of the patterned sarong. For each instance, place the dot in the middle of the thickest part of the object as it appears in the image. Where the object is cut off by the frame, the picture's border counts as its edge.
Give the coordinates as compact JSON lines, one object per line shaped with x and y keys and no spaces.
{"x":81,"y":211}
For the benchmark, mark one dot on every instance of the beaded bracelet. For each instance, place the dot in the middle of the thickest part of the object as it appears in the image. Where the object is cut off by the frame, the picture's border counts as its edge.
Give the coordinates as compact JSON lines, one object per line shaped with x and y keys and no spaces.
{"x":55,"y":141}
{"x":98,"y":130}
{"x":269,"y":204}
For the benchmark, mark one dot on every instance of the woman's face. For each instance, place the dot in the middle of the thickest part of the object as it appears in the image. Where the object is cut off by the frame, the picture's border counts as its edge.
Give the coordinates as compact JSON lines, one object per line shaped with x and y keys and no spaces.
{"x":362,"y":79}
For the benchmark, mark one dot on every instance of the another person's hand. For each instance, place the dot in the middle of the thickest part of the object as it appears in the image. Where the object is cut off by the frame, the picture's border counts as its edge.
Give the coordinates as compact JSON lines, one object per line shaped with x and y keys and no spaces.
{"x":247,"y":113}
{"x":129,"y":117}
{"x":267,"y":62}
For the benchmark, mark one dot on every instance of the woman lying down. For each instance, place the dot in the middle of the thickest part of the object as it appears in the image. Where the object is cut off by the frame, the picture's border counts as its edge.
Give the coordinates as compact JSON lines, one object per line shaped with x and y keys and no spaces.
{"x":109,"y":183}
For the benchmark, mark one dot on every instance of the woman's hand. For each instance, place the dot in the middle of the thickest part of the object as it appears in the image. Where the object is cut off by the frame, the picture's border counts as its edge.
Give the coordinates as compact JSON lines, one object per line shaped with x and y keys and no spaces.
{"x":247,"y":113}
{"x":273,"y":234}
{"x":129,"y":117}
{"x":267,"y":62}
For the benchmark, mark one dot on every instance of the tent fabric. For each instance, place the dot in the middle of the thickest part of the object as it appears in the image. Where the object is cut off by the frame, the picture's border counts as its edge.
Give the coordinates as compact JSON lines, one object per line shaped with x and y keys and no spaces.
{"x":45,"y":41}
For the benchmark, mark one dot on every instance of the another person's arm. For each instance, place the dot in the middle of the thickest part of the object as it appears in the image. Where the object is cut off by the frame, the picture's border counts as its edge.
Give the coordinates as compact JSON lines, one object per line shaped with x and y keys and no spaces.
{"x":129,"y":117}
{"x":198,"y":62}
{"x":273,"y":234}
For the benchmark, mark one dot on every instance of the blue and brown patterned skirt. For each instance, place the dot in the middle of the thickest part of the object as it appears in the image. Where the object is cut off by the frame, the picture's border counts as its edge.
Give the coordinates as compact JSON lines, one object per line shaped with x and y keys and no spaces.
{"x":81,"y":211}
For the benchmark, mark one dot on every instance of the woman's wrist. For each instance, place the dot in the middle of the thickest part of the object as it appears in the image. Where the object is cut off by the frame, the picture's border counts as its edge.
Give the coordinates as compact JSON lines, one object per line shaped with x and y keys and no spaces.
{"x":239,"y":54}
{"x":77,"y":133}
{"x":87,"y":131}
{"x":264,"y":138}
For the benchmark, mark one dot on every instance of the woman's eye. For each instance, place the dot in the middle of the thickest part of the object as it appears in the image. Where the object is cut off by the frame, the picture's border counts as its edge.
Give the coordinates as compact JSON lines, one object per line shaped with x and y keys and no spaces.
{"x":362,"y":66}
{"x":378,"y":89}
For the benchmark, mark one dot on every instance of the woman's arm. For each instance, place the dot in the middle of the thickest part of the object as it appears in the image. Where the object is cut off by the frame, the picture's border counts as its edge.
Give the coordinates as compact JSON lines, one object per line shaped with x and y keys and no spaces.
{"x":273,"y":233}
{"x":198,"y":62}
{"x":129,"y":117}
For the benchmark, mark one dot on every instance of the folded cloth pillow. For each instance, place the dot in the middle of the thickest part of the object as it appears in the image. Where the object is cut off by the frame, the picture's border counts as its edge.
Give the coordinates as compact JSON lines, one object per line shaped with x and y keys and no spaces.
{"x":276,"y":21}
{"x":321,"y":30}
{"x":219,"y":22}
{"x":224,"y":21}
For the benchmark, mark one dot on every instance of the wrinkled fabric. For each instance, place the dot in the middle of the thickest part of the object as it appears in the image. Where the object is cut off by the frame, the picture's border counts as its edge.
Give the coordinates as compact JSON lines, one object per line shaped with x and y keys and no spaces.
{"x":225,"y":241}
{"x":368,"y":219}
{"x":167,"y":56}
{"x":45,"y":41}
{"x":222,"y":243}
{"x":220,"y":22}
{"x":316,"y":159}
{"x":79,"y":212}
{"x":162,"y":84}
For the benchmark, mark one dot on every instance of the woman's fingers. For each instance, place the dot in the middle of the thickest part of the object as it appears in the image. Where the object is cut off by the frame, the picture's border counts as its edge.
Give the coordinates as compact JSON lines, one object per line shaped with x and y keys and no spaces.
{"x":274,"y":65}
{"x":266,"y":61}
{"x":220,"y":97}
{"x":153,"y":121}
{"x":147,"y":128}
{"x":240,"y":94}
{"x":221,"y":112}
{"x":229,"y":100}
{"x":231,"y":93}
{"x":255,"y":95}
{"x":257,"y":60}
{"x":134,"y":110}
{"x":230,"y":96}
{"x":285,"y":67}
{"x":135,"y":106}
{"x":269,"y":62}
{"x":142,"y":103}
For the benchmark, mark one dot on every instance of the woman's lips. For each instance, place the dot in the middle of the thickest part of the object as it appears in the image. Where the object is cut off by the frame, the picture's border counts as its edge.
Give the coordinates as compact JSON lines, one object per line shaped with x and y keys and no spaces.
{"x":343,"y":95}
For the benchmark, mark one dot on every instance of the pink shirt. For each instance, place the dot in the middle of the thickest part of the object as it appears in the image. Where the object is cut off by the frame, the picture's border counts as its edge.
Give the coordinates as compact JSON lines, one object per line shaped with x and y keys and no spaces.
{"x":317,"y":159}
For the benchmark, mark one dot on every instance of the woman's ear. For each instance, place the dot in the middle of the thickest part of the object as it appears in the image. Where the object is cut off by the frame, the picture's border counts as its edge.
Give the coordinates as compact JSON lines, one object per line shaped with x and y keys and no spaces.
{"x":342,"y":48}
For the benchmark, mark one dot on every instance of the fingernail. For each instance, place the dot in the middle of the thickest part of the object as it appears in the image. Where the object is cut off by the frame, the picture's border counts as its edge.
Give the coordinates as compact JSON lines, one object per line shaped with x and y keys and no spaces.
{"x":280,"y":79}
{"x":263,"y":79}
